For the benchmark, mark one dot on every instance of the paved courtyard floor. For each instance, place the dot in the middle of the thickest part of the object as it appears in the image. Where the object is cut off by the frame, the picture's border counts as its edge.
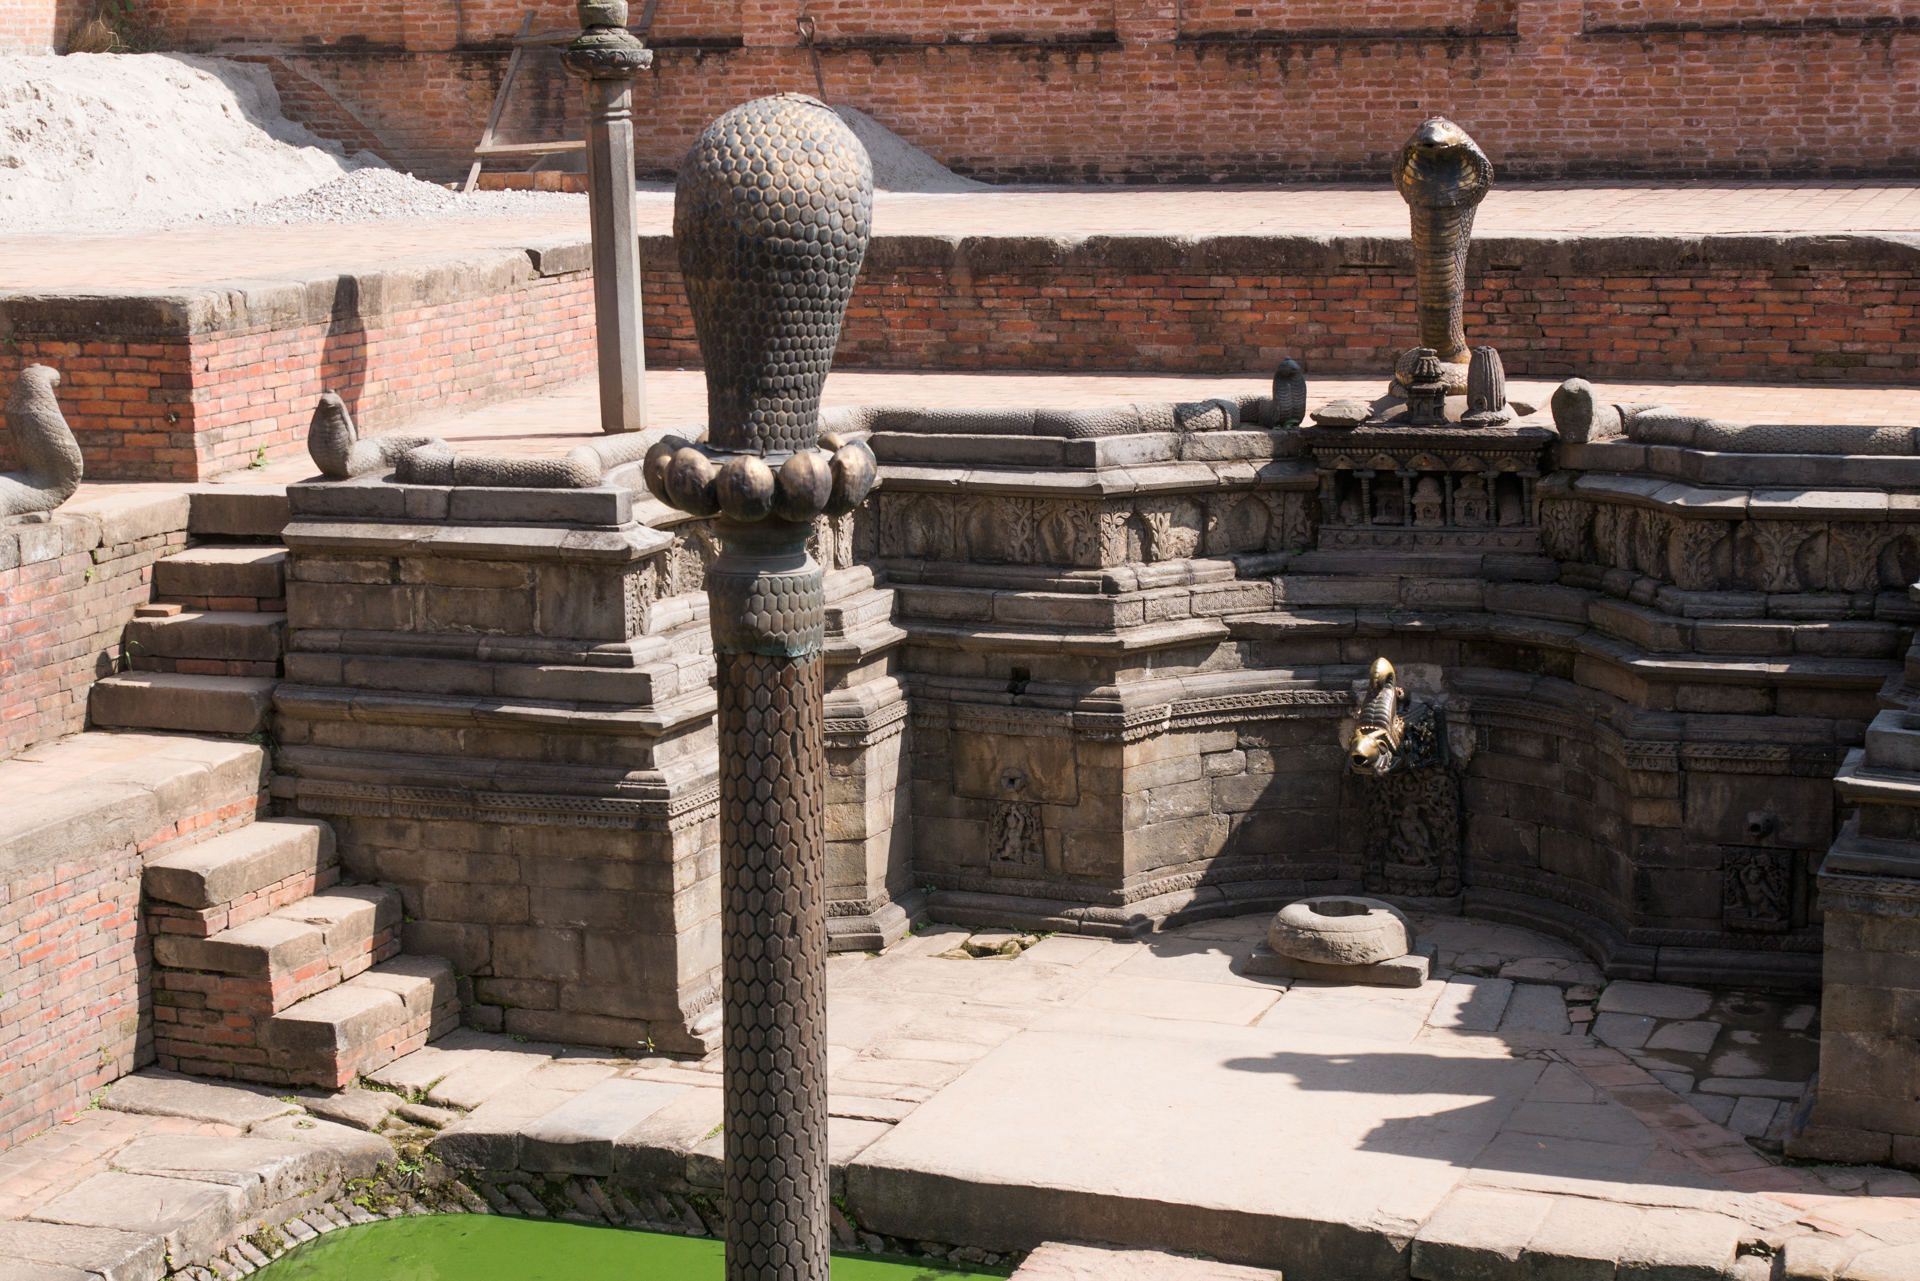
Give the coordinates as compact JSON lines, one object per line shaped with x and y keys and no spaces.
{"x":1513,"y":1117}
{"x":186,"y":256}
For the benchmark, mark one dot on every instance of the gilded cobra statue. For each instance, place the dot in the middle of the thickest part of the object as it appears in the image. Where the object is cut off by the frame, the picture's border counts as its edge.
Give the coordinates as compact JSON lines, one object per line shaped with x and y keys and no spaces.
{"x":49,"y":455}
{"x":1376,"y":739}
{"x":1443,"y":176}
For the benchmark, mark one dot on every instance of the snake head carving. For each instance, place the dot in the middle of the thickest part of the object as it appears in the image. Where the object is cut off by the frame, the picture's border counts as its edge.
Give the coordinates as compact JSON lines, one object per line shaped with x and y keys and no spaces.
{"x":1441,"y":167}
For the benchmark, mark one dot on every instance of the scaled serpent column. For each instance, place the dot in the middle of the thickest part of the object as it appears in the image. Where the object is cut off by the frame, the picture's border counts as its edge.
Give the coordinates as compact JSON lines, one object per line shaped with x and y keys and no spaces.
{"x":771,"y":217}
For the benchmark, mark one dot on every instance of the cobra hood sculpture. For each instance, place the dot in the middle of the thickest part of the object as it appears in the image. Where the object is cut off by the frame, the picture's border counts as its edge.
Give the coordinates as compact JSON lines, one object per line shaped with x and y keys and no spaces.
{"x":1443,"y":176}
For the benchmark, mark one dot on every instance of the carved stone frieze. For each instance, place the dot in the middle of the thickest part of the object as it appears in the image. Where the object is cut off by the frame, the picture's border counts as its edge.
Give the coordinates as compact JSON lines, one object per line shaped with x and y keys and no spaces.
{"x":1712,"y":553}
{"x":1083,"y":533}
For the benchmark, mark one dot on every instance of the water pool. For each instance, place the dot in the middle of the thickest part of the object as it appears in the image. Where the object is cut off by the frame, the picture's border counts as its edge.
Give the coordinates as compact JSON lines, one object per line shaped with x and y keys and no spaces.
{"x":461,"y":1247}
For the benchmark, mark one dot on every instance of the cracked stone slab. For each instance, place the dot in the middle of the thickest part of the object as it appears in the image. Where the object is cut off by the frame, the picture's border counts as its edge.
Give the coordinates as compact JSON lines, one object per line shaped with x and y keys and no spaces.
{"x":361,"y":1109}
{"x":1536,"y":1008}
{"x":265,"y":1170}
{"x":191,"y":1217}
{"x":1471,"y":1004}
{"x":1680,"y":1245}
{"x":156,"y":1093}
{"x":1477,"y":1232}
{"x":1656,"y":1000}
{"x":578,"y":1136}
{"x":106,"y":1254}
{"x":1057,"y":1261}
{"x":1688,"y":1037}
{"x":358,"y":1154}
{"x":22,"y":1270}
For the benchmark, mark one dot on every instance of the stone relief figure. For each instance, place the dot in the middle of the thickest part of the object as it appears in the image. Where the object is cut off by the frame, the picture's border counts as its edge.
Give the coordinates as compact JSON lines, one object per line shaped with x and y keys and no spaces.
{"x":44,"y":444}
{"x":1758,"y":891}
{"x":1443,"y":176}
{"x":1387,"y":507}
{"x":1014,"y":834}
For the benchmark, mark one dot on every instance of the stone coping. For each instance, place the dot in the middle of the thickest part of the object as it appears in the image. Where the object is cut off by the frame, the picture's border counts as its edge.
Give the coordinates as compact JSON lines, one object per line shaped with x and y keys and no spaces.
{"x":294,"y":300}
{"x":1711,"y":468}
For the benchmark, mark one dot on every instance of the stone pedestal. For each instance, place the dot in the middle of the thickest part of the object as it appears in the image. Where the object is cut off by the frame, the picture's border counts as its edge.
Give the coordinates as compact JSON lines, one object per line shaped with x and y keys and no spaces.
{"x":1865,"y":1109}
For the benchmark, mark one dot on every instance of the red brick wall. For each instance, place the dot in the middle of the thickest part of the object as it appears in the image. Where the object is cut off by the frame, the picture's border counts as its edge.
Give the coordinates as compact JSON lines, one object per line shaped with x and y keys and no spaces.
{"x":185,"y":407}
{"x":71,"y":956}
{"x":1749,"y":323}
{"x":63,"y":602}
{"x":1219,"y":91}
{"x":35,"y":26}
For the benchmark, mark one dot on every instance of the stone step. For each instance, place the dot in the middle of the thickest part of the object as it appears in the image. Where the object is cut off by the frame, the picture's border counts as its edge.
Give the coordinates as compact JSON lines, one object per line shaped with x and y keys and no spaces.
{"x":219,"y":574}
{"x":214,"y":996}
{"x":211,"y":887}
{"x":182,"y":702}
{"x":243,"y":636}
{"x":237,"y":511}
{"x":361,"y":1025}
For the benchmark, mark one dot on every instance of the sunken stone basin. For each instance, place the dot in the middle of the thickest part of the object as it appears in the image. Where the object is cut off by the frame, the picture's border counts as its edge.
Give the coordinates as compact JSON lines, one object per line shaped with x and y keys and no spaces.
{"x":1340,"y":929}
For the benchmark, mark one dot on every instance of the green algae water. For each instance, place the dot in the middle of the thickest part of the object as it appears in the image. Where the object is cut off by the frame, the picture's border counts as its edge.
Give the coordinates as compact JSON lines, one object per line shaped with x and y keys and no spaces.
{"x":471,"y":1247}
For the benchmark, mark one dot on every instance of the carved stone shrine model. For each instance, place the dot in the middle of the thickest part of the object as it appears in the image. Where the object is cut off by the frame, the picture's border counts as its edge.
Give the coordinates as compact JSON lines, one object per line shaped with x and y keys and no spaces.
{"x":1443,"y":176}
{"x":771,"y":215}
{"x":1412,"y":793}
{"x":44,"y":444}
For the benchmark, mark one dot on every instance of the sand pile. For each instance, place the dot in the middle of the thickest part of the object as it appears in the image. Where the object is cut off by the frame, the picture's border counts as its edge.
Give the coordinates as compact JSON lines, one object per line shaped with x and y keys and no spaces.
{"x":101,"y":141}
{"x":898,"y":165}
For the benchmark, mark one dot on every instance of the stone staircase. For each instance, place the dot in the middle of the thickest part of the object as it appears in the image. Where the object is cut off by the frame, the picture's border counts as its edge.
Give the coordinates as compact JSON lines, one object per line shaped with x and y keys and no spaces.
{"x":267,"y":969}
{"x":204,"y":656}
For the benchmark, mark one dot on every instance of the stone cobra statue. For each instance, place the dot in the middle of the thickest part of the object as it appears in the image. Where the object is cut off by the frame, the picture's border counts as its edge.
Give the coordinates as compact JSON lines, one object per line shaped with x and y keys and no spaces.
{"x":49,"y":455}
{"x":771,"y":216}
{"x":337,"y":450}
{"x":1443,"y":176}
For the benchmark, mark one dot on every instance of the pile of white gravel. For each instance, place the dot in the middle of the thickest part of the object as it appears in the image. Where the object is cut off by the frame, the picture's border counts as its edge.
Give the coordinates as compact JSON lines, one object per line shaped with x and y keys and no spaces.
{"x":101,"y":141}
{"x":385,"y":195}
{"x":97,"y":142}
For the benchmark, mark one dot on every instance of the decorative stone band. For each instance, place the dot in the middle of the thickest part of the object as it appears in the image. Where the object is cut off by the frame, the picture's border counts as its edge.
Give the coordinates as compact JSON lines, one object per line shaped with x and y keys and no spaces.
{"x":765,"y":594}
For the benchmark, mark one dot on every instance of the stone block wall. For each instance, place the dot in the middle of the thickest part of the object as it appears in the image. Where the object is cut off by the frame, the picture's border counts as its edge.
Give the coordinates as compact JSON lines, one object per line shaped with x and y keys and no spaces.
{"x":67,"y":588}
{"x":1152,"y":91}
{"x":185,"y":387}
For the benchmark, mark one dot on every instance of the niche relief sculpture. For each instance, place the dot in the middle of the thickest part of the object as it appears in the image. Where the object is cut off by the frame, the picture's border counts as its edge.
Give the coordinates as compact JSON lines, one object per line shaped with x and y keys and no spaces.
{"x":1757,"y":886}
{"x":1411,"y":793}
{"x":1015,"y":843}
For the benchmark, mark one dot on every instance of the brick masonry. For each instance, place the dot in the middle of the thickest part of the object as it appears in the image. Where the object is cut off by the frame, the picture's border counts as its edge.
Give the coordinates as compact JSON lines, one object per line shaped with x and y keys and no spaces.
{"x":1153,"y":91}
{"x":73,"y":973}
{"x":65,"y":598}
{"x":187,"y":386}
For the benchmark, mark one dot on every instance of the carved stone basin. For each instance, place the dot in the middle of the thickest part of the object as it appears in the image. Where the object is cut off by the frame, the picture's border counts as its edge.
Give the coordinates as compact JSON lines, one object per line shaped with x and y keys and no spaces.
{"x":1340,"y":929}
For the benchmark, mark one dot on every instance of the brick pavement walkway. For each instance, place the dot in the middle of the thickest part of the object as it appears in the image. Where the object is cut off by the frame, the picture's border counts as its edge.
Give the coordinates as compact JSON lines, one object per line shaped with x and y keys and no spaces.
{"x":169,"y":259}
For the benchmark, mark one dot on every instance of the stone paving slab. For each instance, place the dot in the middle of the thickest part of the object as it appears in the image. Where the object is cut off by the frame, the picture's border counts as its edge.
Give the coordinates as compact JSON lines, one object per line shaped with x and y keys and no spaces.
{"x":578,"y":1136}
{"x":1174,"y":1142}
{"x":192,"y":1218}
{"x":1055,"y":1261}
{"x":156,"y":1093}
{"x":107,"y":1253}
{"x":265,"y":1170}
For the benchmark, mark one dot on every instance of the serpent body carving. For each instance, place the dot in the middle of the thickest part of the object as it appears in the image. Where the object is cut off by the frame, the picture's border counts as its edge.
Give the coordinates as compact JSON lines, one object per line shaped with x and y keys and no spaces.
{"x":336,"y":447}
{"x":49,"y":455}
{"x":1443,"y":176}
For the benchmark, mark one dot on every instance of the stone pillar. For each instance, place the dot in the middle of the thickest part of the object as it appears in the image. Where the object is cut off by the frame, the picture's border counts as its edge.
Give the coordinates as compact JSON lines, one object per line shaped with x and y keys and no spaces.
{"x":1864,"y":1111}
{"x":767,"y":345}
{"x":606,"y":57}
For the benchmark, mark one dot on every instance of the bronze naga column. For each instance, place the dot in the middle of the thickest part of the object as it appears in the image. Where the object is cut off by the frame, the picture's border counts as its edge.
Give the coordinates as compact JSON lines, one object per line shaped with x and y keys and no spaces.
{"x":771,"y":217}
